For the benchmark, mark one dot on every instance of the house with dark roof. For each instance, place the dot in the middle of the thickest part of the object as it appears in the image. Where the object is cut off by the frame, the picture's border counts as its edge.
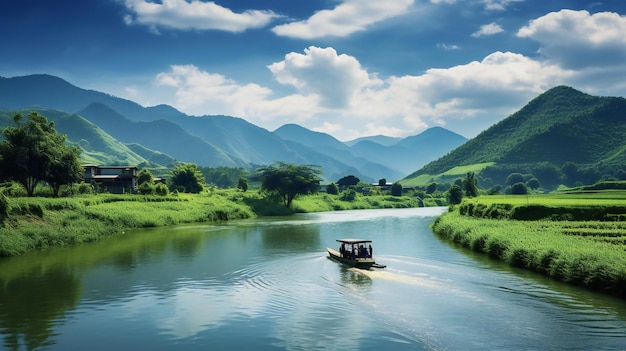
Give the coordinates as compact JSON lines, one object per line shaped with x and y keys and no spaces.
{"x":112,"y":179}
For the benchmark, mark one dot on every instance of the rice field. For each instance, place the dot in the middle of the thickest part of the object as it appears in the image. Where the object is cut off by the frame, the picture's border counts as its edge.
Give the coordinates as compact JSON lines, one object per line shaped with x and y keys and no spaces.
{"x":589,"y":253}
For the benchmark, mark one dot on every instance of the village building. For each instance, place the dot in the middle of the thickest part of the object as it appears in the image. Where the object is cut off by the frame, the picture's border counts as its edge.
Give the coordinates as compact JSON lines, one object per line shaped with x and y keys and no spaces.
{"x":112,"y":179}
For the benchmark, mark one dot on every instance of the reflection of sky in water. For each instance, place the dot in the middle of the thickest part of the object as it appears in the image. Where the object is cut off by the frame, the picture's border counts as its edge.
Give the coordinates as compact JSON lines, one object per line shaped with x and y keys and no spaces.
{"x":268,"y":285}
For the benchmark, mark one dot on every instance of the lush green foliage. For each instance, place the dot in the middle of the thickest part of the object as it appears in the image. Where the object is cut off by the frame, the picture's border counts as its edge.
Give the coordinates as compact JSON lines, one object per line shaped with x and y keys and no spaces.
{"x":289,"y":180}
{"x":39,"y":223}
{"x":347,"y":181}
{"x":33,"y":151}
{"x":187,"y":178}
{"x":586,"y":253}
{"x":224,"y":177}
{"x":560,"y":127}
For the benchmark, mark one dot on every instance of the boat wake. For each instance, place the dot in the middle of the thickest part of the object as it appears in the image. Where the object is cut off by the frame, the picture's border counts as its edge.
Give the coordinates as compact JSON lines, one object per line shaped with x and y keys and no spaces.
{"x":399,"y":277}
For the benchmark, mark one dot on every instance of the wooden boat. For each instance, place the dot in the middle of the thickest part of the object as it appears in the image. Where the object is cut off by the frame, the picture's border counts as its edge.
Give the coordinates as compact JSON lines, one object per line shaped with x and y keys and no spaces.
{"x":354,"y":253}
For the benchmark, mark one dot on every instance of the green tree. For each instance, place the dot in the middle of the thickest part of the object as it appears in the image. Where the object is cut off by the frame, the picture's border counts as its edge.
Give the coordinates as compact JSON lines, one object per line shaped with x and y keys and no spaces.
{"x":348,"y":181}
{"x":144,"y":176}
{"x":332,"y":189}
{"x":396,"y":189}
{"x":533,"y":183}
{"x":186,"y":177}
{"x":289,"y":180}
{"x":65,"y":168}
{"x":455,"y":195}
{"x":519,"y":189}
{"x":242,"y":184}
{"x":431,"y":188}
{"x":33,"y":151}
{"x":515,"y":178}
{"x":470,"y":185}
{"x":381,"y":182}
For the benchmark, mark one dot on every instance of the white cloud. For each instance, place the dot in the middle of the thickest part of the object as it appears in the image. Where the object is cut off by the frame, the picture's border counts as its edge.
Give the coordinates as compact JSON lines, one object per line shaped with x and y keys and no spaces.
{"x":448,"y":46}
{"x":194,"y":15}
{"x":336,"y":79}
{"x":498,"y":5}
{"x":348,"y":17}
{"x":488,"y":29}
{"x":335,"y":94}
{"x":578,"y":39}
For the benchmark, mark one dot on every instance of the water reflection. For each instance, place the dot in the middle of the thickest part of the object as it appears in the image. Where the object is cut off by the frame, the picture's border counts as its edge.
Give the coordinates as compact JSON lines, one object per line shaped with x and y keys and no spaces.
{"x":268,"y":284}
{"x":31,"y":304}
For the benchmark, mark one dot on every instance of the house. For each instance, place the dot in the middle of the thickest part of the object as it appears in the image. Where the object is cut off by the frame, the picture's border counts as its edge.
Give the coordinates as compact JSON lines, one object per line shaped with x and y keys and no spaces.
{"x":112,"y":179}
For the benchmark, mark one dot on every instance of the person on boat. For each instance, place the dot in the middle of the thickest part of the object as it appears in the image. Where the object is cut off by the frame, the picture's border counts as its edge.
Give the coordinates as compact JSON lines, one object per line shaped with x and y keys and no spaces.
{"x":362,"y":251}
{"x":371,"y":251}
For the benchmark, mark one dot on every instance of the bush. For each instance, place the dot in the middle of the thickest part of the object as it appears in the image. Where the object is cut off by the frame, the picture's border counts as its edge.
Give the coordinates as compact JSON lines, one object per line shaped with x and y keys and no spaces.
{"x":519,"y":189}
{"x":161,"y":189}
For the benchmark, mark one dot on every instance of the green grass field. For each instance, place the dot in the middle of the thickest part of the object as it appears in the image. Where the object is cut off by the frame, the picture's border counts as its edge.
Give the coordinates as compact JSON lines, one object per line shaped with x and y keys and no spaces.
{"x":589,"y":253}
{"x":39,"y":223}
{"x":448,"y":176}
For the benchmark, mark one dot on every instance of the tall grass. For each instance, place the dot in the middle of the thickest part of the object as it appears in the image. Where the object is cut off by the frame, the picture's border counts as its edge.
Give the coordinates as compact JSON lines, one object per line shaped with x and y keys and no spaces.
{"x":589,"y":254}
{"x":39,"y":223}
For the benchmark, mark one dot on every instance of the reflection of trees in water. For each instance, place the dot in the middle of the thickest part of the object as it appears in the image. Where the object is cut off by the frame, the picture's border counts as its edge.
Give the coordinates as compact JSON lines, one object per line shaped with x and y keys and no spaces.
{"x":291,"y":238}
{"x":31,"y":303}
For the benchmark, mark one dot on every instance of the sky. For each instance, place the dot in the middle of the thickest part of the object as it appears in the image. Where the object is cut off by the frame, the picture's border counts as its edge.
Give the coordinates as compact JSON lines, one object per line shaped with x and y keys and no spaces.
{"x":349,"y":68}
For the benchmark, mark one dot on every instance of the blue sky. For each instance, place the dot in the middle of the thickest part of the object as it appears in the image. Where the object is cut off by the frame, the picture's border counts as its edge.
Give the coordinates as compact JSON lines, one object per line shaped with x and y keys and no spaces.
{"x":349,"y":68}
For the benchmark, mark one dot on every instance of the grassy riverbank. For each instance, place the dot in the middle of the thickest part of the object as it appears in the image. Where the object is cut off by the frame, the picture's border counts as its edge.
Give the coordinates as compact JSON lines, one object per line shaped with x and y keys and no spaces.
{"x":589,"y":253}
{"x":38,"y":223}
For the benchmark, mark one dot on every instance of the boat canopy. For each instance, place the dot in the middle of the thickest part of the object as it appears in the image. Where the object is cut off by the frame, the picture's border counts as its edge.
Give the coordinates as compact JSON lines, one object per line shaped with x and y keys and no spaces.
{"x":353,"y":241}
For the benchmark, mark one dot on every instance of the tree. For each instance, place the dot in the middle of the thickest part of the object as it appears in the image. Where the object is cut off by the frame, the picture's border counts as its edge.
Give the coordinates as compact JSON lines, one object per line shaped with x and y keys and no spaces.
{"x":242,"y":184}
{"x":348,"y":181}
{"x":455,"y":195}
{"x":332,"y":189}
{"x":186,"y":177}
{"x":396,"y":189}
{"x":32,"y":152}
{"x":519,"y":189}
{"x":470,"y":185}
{"x":431,"y":188}
{"x":515,"y":178}
{"x":533,"y":183}
{"x":65,"y":169}
{"x":144,"y":176}
{"x":289,"y":180}
{"x":381,"y":182}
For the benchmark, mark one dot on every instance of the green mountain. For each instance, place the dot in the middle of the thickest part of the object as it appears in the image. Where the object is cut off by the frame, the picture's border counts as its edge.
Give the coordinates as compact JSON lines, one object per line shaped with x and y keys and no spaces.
{"x":161,"y":135}
{"x":560,"y":126}
{"x":97,"y":146}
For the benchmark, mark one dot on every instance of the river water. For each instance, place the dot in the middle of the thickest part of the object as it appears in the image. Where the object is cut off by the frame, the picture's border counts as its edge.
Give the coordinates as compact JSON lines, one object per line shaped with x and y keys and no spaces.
{"x":267,"y":284}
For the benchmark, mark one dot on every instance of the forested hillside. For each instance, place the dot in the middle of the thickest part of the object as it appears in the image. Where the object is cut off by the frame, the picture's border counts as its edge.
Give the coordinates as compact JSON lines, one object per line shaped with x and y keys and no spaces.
{"x":560,"y":127}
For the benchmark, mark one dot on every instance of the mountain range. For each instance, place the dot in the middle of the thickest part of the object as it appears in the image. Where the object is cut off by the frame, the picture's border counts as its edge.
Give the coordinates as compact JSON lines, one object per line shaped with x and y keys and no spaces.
{"x":115,"y":131}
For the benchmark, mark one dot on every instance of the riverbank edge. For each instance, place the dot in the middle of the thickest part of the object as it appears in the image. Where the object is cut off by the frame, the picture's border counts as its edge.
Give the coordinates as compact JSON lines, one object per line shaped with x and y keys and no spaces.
{"x":40,"y":223}
{"x":531,"y":245}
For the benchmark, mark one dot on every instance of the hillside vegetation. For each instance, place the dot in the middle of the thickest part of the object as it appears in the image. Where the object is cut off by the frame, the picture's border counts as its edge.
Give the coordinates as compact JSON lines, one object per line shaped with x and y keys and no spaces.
{"x":560,"y":126}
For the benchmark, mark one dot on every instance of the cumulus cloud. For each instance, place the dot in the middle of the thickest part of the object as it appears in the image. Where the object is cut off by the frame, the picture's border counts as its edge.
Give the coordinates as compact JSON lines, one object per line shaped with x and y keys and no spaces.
{"x":488,"y":29}
{"x":198,"y":92}
{"x":578,"y":39}
{"x":334,"y":78}
{"x":194,"y":15}
{"x":348,"y":17}
{"x":338,"y":96}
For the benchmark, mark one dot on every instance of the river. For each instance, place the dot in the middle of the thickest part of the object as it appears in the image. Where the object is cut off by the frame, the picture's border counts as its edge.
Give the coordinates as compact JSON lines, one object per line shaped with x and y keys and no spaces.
{"x":267,"y":284}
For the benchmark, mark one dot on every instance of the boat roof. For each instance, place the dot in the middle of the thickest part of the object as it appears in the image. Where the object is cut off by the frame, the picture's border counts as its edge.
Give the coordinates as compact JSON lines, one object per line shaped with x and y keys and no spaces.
{"x":353,"y":241}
